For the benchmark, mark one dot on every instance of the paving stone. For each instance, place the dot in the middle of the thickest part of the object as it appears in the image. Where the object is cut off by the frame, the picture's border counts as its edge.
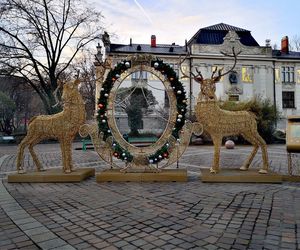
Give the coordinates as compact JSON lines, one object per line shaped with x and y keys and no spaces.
{"x":101,"y":245}
{"x":197,"y":215}
{"x":120,"y":244}
{"x":43,"y":237}
{"x":83,"y":245}
{"x":176,"y":241}
{"x":36,"y":231}
{"x":32,"y":225}
{"x":139,"y":242}
{"x":210,"y":247}
{"x":211,"y":239}
{"x":53,"y":243}
{"x":8,"y":247}
{"x":64,"y":247}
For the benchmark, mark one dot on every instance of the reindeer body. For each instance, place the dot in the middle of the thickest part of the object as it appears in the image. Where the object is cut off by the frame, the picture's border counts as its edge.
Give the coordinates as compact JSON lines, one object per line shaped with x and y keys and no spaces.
{"x":219,"y":123}
{"x":62,"y":126}
{"x":224,"y":122}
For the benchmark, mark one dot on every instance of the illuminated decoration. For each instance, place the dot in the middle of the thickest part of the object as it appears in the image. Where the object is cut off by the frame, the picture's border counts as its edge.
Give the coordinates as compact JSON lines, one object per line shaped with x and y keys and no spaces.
{"x":277,"y":75}
{"x":108,"y":85}
{"x":106,"y":136}
{"x":219,"y":123}
{"x":109,"y":142}
{"x":247,"y":74}
{"x":62,"y":126}
{"x":298,"y":76}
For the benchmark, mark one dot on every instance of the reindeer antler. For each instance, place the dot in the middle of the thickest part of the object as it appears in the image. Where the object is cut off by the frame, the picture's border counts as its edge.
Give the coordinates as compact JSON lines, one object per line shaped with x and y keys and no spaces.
{"x":197,"y":77}
{"x":58,"y":102}
{"x":234,"y":54}
{"x":180,"y":65}
{"x":77,"y":74}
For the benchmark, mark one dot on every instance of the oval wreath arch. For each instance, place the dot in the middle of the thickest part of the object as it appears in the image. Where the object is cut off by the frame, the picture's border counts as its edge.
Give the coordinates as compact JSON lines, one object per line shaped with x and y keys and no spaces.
{"x":181,"y":107}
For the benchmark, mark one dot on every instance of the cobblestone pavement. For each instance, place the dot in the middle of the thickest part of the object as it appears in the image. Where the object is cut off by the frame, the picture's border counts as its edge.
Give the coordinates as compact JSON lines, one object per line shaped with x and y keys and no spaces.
{"x":192,"y":215}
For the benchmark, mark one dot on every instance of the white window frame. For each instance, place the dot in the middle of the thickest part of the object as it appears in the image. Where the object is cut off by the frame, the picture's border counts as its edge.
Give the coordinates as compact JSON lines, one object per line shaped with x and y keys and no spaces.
{"x":288,"y":74}
{"x":136,"y":75}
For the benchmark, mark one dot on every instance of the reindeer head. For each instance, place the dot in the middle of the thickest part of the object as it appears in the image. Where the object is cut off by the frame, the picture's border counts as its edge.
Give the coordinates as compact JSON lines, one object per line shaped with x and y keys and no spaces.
{"x":70,"y":91}
{"x":208,"y":86}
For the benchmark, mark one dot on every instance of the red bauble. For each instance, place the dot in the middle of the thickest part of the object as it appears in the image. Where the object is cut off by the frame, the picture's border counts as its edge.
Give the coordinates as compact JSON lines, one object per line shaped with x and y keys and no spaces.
{"x":116,"y":154}
{"x":165,"y":155}
{"x":100,"y":105}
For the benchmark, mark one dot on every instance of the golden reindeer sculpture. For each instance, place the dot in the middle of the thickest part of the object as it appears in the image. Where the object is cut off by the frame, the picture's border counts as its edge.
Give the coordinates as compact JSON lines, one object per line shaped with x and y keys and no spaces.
{"x":62,"y":126}
{"x":219,"y":123}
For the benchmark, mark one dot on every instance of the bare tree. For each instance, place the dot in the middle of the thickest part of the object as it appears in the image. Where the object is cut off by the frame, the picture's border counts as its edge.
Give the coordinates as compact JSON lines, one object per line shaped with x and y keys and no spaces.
{"x":85,"y":65}
{"x":275,"y":46}
{"x":296,"y":43}
{"x":39,"y":39}
{"x":26,"y":100}
{"x":7,"y":110}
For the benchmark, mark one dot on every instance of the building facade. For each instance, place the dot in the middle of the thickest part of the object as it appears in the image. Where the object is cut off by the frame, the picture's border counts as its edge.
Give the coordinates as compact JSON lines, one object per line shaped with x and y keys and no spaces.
{"x":260,"y":71}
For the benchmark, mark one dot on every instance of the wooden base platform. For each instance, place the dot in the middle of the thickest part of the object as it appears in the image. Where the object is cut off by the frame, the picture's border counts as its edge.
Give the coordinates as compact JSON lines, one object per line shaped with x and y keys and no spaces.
{"x":235,"y":175}
{"x":291,"y":178}
{"x":53,"y":175}
{"x":166,"y":175}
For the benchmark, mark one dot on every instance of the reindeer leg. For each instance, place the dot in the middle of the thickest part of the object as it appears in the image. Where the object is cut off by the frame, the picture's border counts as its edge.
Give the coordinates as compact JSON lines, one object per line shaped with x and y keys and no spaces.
{"x":263,"y":146}
{"x":250,"y":138}
{"x":36,"y":161}
{"x":217,"y":140}
{"x":63,"y":154}
{"x":66,"y":155}
{"x":20,"y":158}
{"x":71,"y":157}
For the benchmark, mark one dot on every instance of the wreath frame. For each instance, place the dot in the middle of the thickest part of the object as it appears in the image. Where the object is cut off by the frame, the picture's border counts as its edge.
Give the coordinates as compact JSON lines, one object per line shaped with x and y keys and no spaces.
{"x":105,"y":94}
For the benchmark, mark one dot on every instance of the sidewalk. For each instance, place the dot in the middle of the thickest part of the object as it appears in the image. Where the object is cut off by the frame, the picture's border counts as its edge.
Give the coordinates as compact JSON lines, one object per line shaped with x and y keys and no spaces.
{"x":191,"y":215}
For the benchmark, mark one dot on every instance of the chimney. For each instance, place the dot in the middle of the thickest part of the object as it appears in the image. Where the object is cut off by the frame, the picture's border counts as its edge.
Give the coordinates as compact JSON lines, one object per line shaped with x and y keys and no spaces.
{"x":285,"y":45}
{"x":130,"y":42}
{"x":268,"y":42}
{"x":153,"y":41}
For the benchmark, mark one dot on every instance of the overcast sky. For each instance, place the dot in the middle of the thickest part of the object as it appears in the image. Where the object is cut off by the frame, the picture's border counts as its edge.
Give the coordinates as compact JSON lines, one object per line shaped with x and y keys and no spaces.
{"x":177,"y":20}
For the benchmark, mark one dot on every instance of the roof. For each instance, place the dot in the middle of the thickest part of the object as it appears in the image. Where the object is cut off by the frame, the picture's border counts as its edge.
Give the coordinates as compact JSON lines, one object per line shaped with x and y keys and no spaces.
{"x":215,"y":35}
{"x":146,"y":48}
{"x":224,"y":27}
{"x":291,"y":55}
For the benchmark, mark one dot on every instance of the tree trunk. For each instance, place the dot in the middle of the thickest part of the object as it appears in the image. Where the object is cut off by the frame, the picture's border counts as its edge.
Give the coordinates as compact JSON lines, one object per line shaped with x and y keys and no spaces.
{"x":50,"y":103}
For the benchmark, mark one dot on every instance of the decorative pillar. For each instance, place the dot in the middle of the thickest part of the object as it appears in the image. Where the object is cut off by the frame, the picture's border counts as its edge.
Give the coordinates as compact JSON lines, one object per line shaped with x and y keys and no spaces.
{"x":101,"y":68}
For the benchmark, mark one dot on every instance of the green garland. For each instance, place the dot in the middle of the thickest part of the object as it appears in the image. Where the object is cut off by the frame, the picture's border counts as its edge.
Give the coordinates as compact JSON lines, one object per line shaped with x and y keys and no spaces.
{"x":179,"y":92}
